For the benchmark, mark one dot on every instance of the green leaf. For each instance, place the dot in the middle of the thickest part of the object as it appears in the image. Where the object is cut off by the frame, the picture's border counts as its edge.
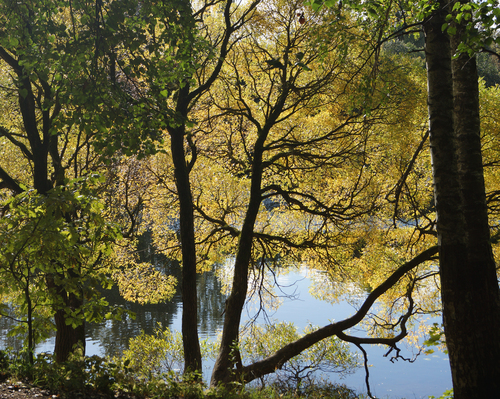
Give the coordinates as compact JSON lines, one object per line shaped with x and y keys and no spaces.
{"x":304,"y":66}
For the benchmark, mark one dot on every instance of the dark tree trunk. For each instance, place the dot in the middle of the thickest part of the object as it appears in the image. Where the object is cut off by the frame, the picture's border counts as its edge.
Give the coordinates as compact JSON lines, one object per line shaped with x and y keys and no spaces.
{"x":473,"y":322}
{"x":192,"y":351}
{"x":229,"y":354}
{"x":29,"y":319}
{"x":40,"y":143}
{"x":469,"y":287}
{"x":68,"y":337}
{"x":191,"y":344}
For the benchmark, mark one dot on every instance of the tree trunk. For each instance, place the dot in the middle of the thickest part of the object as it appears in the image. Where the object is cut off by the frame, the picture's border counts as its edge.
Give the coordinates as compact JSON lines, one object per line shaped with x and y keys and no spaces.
{"x":29,"y":319}
{"x":67,"y":336}
{"x":229,"y":353}
{"x":469,"y":288}
{"x":191,"y":344}
{"x":473,"y":323}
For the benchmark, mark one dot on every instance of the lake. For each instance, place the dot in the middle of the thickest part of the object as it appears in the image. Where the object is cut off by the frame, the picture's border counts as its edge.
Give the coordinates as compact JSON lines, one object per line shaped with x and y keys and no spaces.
{"x":428,"y":375}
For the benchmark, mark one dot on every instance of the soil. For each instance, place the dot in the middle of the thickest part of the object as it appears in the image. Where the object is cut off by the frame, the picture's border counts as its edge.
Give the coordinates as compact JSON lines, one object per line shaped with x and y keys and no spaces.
{"x":19,"y":390}
{"x":22,"y":390}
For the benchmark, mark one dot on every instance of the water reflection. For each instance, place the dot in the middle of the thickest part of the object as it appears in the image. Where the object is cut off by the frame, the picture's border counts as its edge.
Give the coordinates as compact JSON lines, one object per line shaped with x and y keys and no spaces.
{"x":211,"y":303}
{"x":111,"y":337}
{"x":114,"y":335}
{"x":428,"y":375}
{"x":6,"y":324}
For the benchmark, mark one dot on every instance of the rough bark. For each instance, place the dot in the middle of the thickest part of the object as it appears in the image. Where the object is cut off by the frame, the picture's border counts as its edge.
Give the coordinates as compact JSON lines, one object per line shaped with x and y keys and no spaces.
{"x":473,"y":322}
{"x":469,"y":287}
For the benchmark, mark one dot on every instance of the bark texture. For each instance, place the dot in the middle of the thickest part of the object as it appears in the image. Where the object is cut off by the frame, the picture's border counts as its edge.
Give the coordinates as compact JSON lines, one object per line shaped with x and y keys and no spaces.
{"x":469,"y":287}
{"x":473,"y":323}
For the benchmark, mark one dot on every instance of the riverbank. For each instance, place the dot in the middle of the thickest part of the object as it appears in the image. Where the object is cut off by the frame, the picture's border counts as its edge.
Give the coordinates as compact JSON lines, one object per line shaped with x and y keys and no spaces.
{"x":13,"y":389}
{"x":23,"y":390}
{"x":20,"y":390}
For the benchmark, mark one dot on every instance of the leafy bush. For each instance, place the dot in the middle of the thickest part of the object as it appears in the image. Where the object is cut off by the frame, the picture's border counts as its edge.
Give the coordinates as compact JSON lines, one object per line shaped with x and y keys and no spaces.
{"x":153,"y":356}
{"x":321,"y":390}
{"x":96,"y":374}
{"x":448,"y":394}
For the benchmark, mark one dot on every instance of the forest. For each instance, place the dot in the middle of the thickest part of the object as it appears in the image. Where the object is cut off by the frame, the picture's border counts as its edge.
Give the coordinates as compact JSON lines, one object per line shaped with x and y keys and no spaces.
{"x":360,"y":139}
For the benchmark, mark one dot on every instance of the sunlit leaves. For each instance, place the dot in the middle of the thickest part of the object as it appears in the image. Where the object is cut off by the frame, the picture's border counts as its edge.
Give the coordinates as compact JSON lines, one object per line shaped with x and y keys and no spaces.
{"x":141,"y":283}
{"x":151,"y":356}
{"x":436,"y":338}
{"x":38,"y":241}
{"x":330,"y":355}
{"x":489,"y":106}
{"x":480,"y":25}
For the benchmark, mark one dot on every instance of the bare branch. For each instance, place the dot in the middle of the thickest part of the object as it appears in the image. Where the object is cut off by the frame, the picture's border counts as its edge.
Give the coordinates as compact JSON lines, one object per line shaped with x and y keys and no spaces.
{"x":275,"y":361}
{"x":8,"y":182}
{"x":10,"y":136}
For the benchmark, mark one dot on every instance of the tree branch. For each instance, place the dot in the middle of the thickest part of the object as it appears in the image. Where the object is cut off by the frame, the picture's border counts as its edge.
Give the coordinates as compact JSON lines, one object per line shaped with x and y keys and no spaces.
{"x":8,"y":182}
{"x":397,"y":189}
{"x":9,"y":136}
{"x":275,"y":361}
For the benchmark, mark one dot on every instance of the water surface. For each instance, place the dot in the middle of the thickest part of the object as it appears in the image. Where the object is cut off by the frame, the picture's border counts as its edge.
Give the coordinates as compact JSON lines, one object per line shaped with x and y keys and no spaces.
{"x":428,"y":375}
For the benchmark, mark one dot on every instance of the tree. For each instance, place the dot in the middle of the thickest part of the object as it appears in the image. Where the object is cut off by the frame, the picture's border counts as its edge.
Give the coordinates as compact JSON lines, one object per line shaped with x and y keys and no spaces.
{"x":471,"y":296}
{"x":285,"y":165}
{"x":280,"y":84}
{"x":37,"y":246}
{"x":276,"y":149}
{"x":467,"y":267}
{"x":28,"y":51}
{"x":468,"y":277}
{"x":177,"y":66}
{"x":49,"y":64}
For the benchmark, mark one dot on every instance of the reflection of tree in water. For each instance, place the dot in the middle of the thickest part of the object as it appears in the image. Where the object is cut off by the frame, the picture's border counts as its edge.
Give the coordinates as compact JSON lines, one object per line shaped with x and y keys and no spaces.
{"x":114,"y":335}
{"x":210,"y":303}
{"x":6,"y":324}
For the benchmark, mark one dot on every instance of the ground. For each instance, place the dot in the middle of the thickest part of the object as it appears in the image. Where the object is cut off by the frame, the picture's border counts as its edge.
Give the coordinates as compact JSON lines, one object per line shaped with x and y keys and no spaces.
{"x":21,"y":390}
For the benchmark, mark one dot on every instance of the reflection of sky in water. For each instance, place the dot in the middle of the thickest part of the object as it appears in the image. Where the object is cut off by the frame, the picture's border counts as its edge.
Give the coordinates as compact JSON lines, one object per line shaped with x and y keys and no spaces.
{"x":428,"y":375}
